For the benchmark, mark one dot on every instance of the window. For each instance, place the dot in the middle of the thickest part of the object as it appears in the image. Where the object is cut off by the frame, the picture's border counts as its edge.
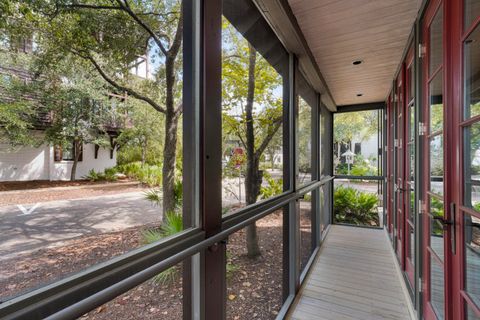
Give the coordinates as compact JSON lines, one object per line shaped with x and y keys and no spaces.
{"x":80,"y":225}
{"x":356,"y":151}
{"x":306,"y":109}
{"x":253,"y":108}
{"x":67,"y":152}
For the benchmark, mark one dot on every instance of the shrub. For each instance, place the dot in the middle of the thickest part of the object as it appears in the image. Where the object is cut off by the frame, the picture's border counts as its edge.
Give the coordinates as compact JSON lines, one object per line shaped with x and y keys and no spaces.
{"x":110,"y":174}
{"x":172,"y":224}
{"x":355,"y":207}
{"x":92,"y":176}
{"x":476,"y":206}
{"x":151,"y":175}
{"x":178,"y":193}
{"x":153,"y":195}
{"x":273,"y":188}
{"x":359,"y":171}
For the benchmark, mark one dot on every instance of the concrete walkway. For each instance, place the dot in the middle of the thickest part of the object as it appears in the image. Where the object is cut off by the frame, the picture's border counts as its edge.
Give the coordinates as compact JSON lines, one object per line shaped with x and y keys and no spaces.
{"x":28,"y":227}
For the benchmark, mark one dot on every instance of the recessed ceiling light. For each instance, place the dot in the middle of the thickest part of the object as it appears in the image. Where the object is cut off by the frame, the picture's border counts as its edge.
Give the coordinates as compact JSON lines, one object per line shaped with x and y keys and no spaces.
{"x":357,"y":62}
{"x":359,"y":94}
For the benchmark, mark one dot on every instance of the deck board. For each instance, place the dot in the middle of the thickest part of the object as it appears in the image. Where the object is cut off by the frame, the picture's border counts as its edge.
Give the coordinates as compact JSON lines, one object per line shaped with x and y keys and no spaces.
{"x":354,"y":277}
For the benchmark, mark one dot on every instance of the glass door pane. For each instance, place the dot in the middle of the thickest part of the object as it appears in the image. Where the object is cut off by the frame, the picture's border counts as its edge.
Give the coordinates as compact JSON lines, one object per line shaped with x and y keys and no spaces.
{"x":470,"y":234}
{"x":434,"y":227}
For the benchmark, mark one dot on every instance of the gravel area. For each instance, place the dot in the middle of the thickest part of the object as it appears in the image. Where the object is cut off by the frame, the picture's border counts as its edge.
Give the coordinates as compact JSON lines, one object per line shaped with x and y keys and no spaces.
{"x":76,"y":190}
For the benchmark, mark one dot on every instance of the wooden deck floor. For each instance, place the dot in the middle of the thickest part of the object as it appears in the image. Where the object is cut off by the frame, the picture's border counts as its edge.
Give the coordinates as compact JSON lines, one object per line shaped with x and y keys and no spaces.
{"x":354,"y":277}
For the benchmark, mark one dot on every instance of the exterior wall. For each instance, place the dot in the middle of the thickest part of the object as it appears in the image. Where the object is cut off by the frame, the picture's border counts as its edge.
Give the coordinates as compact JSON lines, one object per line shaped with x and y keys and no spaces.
{"x":27,"y":163}
{"x":370,"y":147}
{"x":62,"y":170}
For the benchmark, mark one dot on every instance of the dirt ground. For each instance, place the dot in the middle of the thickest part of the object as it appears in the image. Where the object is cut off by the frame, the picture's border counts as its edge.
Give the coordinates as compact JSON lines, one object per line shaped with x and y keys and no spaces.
{"x":44,"y":191}
{"x":40,"y":184}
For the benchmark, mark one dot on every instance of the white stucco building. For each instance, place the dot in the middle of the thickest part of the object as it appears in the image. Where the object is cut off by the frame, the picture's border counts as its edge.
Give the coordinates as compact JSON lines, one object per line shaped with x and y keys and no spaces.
{"x":29,"y":163}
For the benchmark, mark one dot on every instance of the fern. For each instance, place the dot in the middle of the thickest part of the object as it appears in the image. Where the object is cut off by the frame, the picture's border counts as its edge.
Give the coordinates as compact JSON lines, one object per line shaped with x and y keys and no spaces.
{"x":355,"y":207}
{"x":153,"y":196}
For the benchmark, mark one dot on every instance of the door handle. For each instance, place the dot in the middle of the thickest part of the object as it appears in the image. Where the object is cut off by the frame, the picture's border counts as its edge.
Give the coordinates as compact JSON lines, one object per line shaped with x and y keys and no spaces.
{"x":443,"y":221}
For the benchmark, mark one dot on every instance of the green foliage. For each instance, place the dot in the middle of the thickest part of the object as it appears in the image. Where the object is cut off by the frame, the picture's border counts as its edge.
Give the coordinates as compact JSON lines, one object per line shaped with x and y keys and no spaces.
{"x":476,"y":206}
{"x":110,"y":174}
{"x":150,"y":175}
{"x":153,"y":195}
{"x":274,"y":187}
{"x":260,"y":118}
{"x":131,"y":169}
{"x":143,"y":139}
{"x":178,"y":193}
{"x":436,"y":210}
{"x":360,"y":167}
{"x":102,"y":44}
{"x":304,"y":136}
{"x":360,"y":125}
{"x":16,"y":124}
{"x":172,"y":224}
{"x":355,"y":207}
{"x":93,"y":176}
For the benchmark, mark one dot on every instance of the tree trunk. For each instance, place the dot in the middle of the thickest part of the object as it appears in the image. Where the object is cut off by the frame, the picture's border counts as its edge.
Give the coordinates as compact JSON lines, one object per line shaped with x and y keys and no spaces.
{"x":253,"y":178}
{"x":253,"y":182}
{"x":76,"y":157}
{"x":168,"y":170}
{"x":170,"y":146}
{"x":144,"y":152}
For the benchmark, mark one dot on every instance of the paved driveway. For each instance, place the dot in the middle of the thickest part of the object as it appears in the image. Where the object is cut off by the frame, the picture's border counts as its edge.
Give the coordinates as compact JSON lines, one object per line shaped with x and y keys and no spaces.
{"x":33,"y":226}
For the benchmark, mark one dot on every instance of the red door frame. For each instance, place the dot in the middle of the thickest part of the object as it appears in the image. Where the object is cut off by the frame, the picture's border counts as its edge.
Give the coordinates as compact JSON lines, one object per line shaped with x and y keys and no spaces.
{"x":453,"y":37}
{"x":409,"y":265}
{"x":390,"y":177}
{"x":449,"y":69}
{"x":456,"y":86}
{"x":400,"y":165}
{"x":431,"y":11}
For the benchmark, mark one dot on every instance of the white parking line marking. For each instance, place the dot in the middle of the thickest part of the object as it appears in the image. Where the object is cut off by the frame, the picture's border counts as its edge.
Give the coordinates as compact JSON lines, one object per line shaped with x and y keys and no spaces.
{"x":28,"y":211}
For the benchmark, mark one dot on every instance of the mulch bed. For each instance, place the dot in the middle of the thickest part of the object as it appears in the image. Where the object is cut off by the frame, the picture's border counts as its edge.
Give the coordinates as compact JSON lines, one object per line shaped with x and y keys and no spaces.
{"x":39,"y":184}
{"x":254,"y":286}
{"x":45,"y":194}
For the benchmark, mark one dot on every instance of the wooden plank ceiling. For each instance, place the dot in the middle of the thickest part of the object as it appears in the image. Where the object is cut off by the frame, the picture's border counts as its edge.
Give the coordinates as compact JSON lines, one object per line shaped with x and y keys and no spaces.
{"x":340,"y":32}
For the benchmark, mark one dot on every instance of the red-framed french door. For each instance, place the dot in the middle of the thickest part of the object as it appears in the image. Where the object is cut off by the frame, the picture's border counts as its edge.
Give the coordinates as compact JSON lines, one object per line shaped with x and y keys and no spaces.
{"x":435,"y":254}
{"x":409,"y":178}
{"x":390,"y":167}
{"x":400,"y":166}
{"x":451,"y":105}
{"x":405,"y":167}
{"x":465,"y":73}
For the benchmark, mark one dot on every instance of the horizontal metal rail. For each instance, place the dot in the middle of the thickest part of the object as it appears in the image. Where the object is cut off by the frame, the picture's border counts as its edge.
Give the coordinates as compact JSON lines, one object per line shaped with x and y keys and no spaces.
{"x":348,"y":177}
{"x":270,"y":206}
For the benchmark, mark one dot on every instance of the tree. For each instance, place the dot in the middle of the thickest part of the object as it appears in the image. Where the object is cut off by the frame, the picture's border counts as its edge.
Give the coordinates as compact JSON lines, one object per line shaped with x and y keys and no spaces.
{"x":79,"y":105}
{"x":142,"y":138}
{"x":16,"y":117}
{"x":113,"y":36}
{"x":348,"y":125}
{"x":252,"y":111}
